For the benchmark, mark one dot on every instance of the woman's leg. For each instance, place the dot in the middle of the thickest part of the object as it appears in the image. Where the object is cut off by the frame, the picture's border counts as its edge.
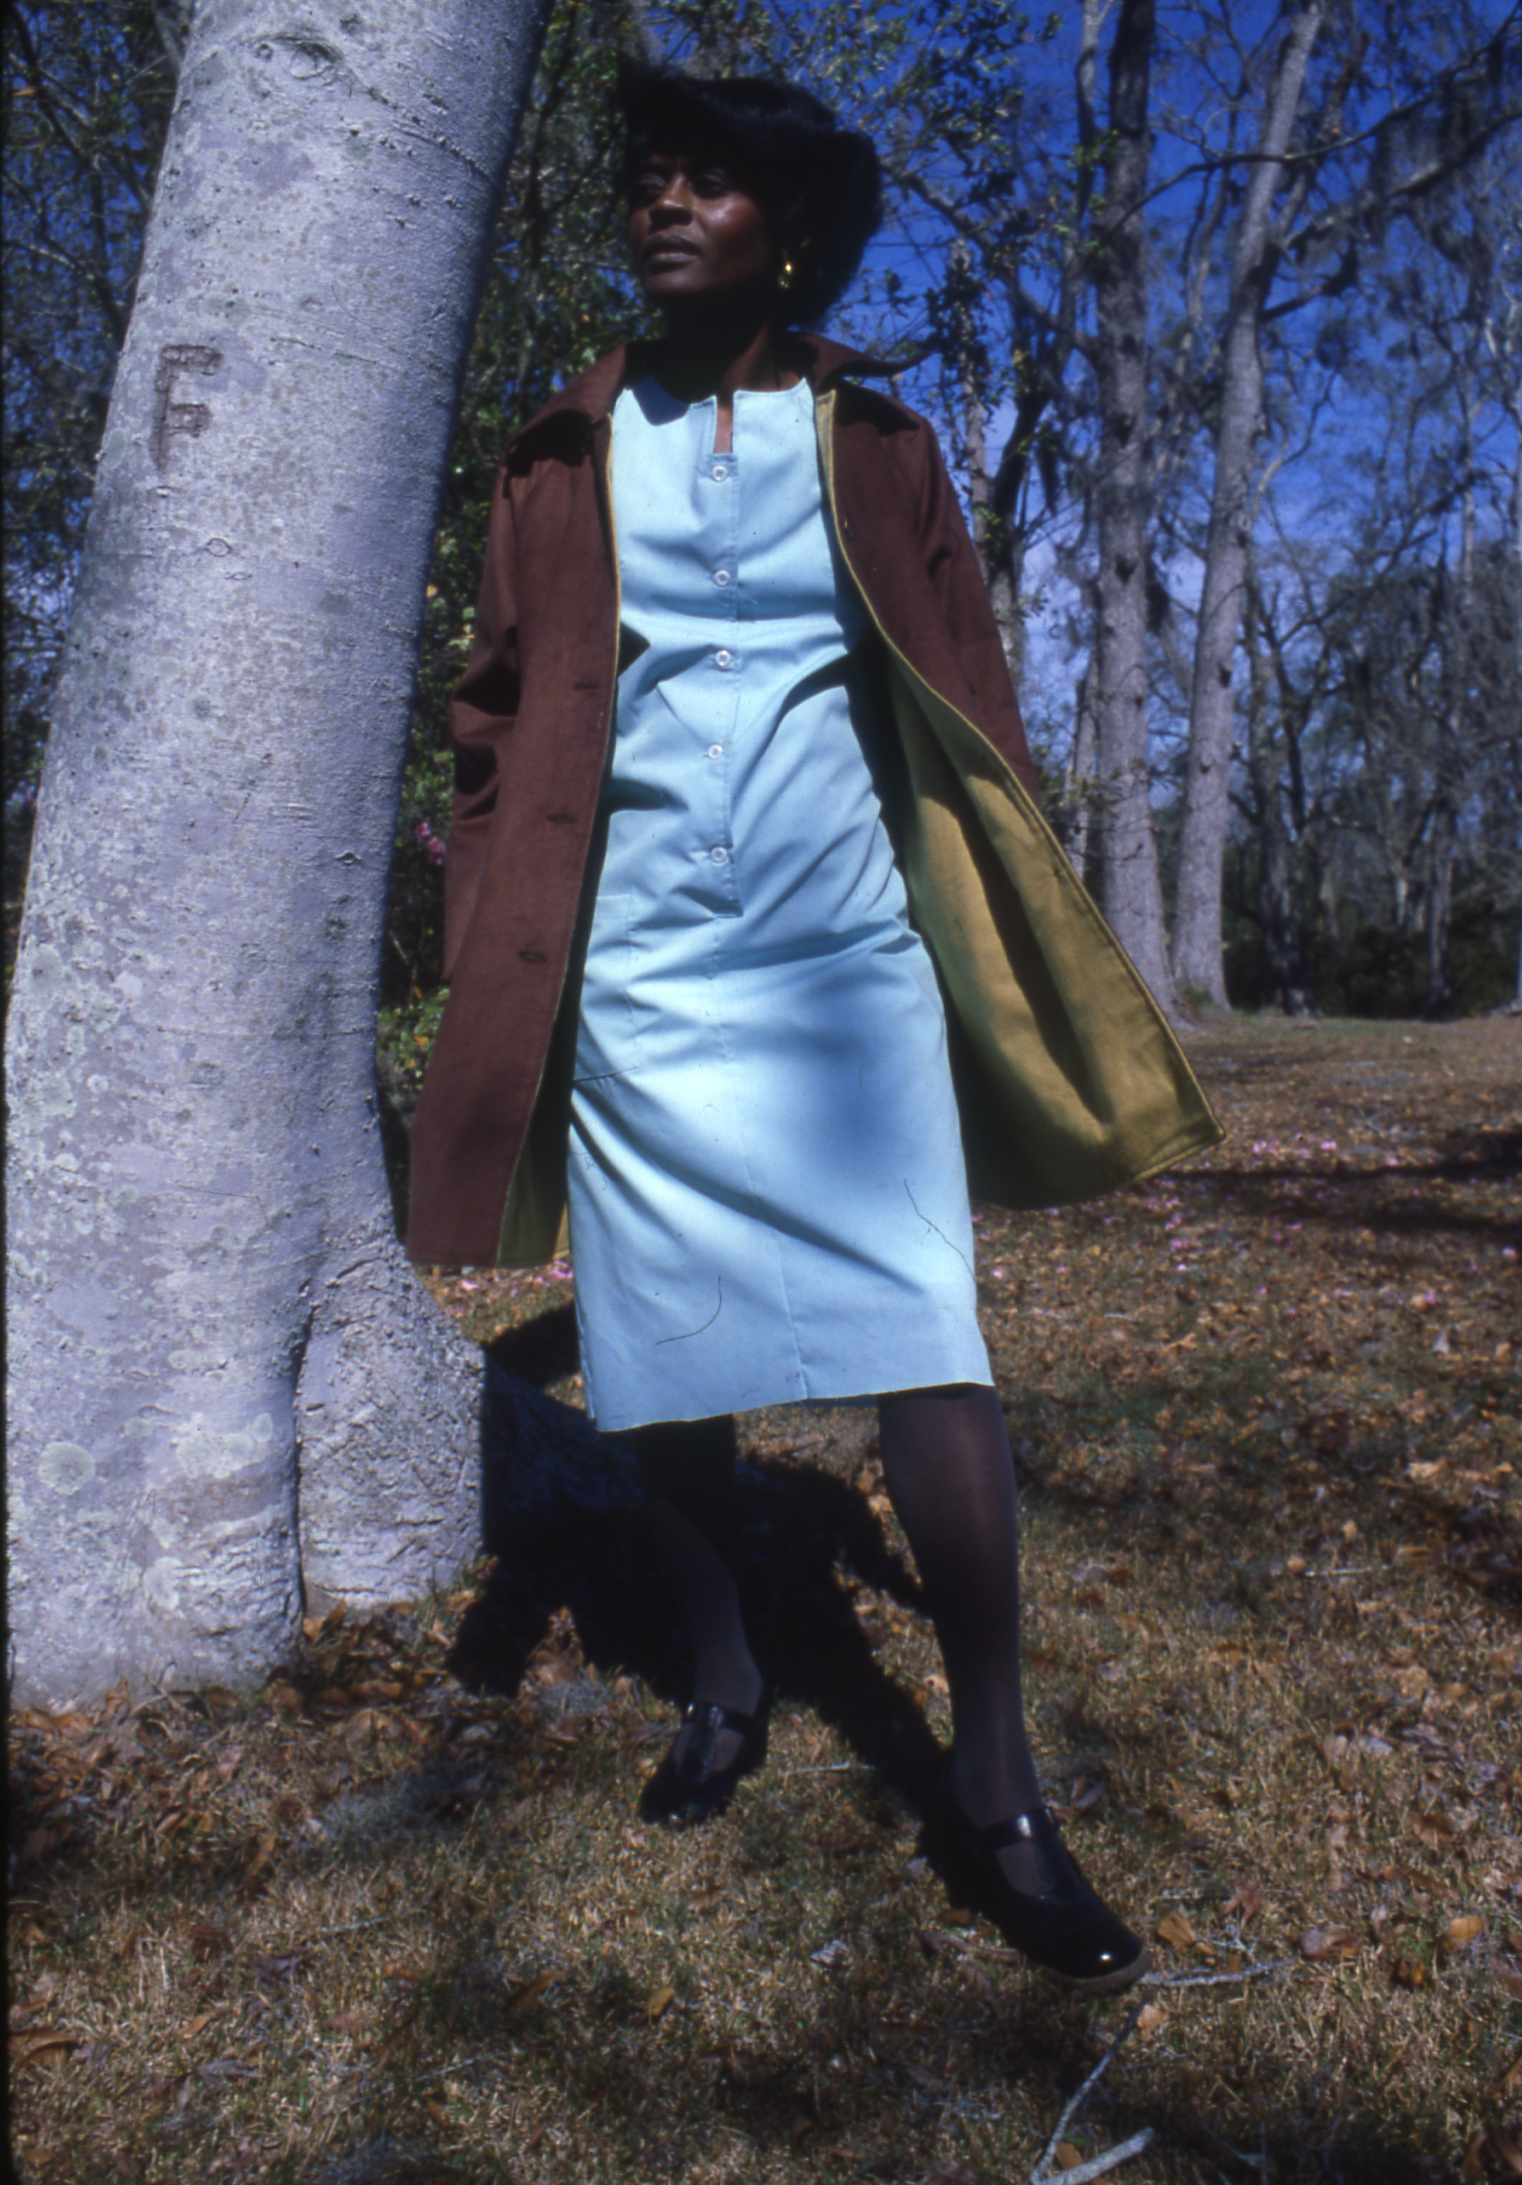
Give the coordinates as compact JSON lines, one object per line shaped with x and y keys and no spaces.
{"x":687,"y":1470}
{"x":951,"y":1479}
{"x":947,"y":1462}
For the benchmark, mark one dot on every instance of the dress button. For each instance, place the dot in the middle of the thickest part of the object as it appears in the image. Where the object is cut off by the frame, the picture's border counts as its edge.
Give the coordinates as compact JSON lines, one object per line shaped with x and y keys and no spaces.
{"x":719,"y":854}
{"x":719,"y":474}
{"x":721,"y":576}
{"x":723,"y":657}
{"x":716,"y":751}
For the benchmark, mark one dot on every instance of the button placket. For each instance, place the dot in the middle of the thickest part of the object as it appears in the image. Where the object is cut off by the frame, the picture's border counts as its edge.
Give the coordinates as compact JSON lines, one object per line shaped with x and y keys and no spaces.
{"x":720,"y":479}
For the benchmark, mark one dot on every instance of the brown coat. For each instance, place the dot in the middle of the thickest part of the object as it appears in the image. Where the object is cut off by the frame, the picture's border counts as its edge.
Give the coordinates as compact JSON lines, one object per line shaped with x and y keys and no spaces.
{"x":1069,"y":1079}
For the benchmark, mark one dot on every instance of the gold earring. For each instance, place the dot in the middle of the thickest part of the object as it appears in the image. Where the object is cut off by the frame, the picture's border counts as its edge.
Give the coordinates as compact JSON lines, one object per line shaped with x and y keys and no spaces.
{"x":786,"y":282}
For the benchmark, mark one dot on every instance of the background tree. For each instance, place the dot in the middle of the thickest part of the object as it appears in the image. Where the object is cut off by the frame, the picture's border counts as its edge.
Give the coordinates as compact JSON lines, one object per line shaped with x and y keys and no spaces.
{"x":1129,"y":888}
{"x":1413,"y":129}
{"x":1258,"y":244}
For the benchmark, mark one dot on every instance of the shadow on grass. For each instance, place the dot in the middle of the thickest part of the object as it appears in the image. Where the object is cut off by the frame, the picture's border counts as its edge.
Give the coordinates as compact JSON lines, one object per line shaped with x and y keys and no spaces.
{"x":562,"y":1515}
{"x":1337,"y":1197}
{"x":1141,"y":1491}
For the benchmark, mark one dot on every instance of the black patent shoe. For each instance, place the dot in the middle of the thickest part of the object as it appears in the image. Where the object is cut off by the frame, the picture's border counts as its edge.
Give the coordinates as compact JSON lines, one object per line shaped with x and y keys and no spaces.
{"x":1065,"y":1928}
{"x":689,"y":1785}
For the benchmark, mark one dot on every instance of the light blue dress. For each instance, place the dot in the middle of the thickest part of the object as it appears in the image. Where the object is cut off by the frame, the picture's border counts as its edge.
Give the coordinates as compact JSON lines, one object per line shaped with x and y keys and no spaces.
{"x":768,"y":1198}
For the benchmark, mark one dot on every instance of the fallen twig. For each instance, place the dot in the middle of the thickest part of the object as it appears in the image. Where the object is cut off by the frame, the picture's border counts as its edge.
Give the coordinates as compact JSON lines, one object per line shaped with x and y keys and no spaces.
{"x":830,"y":1767}
{"x":1111,"y":2159}
{"x":1217,"y":1980}
{"x":1250,"y":2162}
{"x":1077,"y":2103}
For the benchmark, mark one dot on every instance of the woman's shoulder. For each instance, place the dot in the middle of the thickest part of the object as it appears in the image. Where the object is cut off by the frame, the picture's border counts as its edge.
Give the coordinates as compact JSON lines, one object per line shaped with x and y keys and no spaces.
{"x":866,"y":408}
{"x":570,"y":417}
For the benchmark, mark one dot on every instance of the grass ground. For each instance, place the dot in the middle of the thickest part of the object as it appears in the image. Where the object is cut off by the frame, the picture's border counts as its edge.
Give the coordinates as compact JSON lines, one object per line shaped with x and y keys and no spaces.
{"x":391,"y":1921}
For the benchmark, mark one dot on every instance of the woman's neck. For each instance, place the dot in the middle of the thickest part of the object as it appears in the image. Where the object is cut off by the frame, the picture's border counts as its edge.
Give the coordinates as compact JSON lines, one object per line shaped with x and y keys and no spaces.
{"x":710,"y":358}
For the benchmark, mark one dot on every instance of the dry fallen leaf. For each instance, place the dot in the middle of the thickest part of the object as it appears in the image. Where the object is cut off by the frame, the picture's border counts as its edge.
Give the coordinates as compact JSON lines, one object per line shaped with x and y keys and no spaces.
{"x":43,"y":2047}
{"x":1067,"y":2155}
{"x":1084,"y":1794}
{"x":1152,"y":2015}
{"x":1329,"y":1945}
{"x":1175,"y":1930}
{"x":1246,"y":1898}
{"x":658,"y":2002}
{"x":1505,"y":2149}
{"x":531,"y":1990}
{"x":401,"y":2033}
{"x":1459,"y":1933}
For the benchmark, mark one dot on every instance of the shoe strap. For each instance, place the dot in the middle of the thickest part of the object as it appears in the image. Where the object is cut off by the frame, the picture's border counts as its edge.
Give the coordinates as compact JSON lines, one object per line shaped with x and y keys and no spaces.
{"x":1036,"y":1831}
{"x":1034,"y":1827}
{"x":706,"y":1724}
{"x":711,"y":1716}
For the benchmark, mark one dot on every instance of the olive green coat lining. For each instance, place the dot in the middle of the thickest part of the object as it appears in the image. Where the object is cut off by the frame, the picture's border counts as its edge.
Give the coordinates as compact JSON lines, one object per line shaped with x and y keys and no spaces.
{"x":1071,"y":1080}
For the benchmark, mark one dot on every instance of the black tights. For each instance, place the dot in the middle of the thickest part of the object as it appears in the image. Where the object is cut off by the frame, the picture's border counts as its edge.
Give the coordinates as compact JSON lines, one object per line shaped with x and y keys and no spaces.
{"x":951,"y":1479}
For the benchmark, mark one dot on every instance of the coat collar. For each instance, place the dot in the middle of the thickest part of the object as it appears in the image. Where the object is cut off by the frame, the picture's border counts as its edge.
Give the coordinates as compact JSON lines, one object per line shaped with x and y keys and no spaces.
{"x":592,"y":394}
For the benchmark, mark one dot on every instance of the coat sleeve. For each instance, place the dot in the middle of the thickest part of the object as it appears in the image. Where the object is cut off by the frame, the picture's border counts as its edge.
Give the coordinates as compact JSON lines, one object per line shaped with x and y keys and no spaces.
{"x":957,"y":575}
{"x":483,"y":712}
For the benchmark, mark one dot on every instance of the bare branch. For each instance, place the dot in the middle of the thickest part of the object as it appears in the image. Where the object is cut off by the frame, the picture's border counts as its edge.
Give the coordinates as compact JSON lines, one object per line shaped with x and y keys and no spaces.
{"x":1084,"y":2091}
{"x":1101,"y":2164}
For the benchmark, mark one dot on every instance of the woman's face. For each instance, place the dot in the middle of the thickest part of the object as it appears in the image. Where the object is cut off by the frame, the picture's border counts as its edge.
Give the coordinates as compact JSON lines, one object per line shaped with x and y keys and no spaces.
{"x":697,"y":235}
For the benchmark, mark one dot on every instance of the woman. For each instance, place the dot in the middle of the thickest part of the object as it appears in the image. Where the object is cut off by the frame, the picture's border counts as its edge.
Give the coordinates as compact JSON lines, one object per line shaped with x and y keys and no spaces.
{"x":741,"y":789}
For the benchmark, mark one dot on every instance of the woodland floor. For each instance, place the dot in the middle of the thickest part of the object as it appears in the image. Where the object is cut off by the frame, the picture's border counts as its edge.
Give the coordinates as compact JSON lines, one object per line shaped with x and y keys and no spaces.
{"x":392,"y":1922}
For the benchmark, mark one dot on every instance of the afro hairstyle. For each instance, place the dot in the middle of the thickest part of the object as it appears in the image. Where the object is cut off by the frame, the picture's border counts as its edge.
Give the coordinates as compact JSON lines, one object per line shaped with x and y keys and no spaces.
{"x":820,"y":185}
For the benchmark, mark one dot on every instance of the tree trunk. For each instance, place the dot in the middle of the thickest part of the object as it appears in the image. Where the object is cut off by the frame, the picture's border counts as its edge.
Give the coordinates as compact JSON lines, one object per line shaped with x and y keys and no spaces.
{"x":1130,"y":887}
{"x":1079,"y":785}
{"x":993,"y":538}
{"x":1197,"y":957}
{"x":1277,"y":908}
{"x":1439,"y":909}
{"x":225,"y":1384}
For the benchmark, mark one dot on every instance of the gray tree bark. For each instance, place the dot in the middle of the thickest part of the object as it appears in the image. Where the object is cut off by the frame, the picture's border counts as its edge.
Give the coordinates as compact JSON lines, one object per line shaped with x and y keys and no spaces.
{"x":1270,"y":689}
{"x":226,"y":1387}
{"x":999,"y":548}
{"x":1129,"y":882}
{"x":1197,"y":941}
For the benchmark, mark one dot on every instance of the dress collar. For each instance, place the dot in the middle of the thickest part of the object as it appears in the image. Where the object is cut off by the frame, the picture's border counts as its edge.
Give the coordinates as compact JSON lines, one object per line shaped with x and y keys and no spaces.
{"x":592,"y":394}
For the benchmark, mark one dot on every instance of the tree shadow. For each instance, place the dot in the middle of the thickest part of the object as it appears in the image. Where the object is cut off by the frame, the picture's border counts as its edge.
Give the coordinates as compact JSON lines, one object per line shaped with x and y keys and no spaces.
{"x":562,"y":1515}
{"x":1355,"y":1198}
